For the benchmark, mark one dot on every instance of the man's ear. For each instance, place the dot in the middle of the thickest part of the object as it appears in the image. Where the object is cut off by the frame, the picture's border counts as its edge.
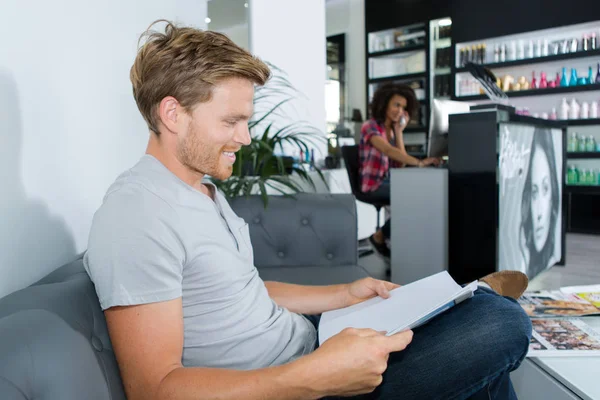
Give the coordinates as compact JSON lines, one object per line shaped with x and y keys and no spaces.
{"x":170,"y":114}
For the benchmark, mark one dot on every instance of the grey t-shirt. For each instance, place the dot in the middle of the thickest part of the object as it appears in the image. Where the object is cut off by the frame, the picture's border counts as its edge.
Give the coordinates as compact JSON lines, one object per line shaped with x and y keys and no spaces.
{"x":155,"y":238}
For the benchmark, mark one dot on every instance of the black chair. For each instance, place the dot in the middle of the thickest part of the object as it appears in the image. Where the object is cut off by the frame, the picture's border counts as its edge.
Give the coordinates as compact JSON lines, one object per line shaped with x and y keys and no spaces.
{"x":350,"y":155}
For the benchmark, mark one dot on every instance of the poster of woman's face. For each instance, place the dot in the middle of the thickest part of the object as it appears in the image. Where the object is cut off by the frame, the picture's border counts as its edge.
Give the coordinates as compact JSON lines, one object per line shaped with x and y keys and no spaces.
{"x":530,"y":195}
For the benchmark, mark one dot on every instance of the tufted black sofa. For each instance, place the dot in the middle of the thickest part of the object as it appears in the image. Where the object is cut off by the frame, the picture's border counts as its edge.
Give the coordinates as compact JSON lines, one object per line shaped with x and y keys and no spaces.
{"x":53,"y":337}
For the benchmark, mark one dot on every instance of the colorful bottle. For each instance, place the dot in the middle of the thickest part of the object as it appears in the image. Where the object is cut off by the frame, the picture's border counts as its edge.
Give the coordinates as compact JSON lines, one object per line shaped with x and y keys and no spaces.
{"x":564,"y":81}
{"x":573,"y":80}
{"x":598,"y":74}
{"x":557,"y":80}
{"x":564,"y":109}
{"x":574,"y":109}
{"x":543,"y":81}
{"x":553,"y":114}
{"x":582,"y":177}
{"x":533,"y":81}
{"x":590,"y":144}
{"x":581,"y":144}
{"x":572,"y":175}
{"x":572,"y":143}
{"x":590,"y":75}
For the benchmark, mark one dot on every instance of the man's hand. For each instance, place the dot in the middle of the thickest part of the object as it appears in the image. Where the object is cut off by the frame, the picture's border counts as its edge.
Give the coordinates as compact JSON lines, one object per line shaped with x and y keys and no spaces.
{"x":353,"y":361}
{"x":364,"y":289}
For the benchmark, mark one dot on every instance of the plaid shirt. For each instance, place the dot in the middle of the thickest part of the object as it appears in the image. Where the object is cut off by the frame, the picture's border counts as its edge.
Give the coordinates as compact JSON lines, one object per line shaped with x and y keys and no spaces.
{"x":374,"y":165}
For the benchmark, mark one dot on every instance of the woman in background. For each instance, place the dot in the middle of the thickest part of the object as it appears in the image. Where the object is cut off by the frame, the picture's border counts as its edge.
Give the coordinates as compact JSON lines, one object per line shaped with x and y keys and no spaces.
{"x":540,"y":205}
{"x":382,"y":147}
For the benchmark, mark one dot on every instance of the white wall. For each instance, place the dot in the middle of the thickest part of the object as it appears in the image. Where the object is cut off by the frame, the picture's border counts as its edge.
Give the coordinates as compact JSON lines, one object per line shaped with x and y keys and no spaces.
{"x":68,"y":121}
{"x":291,"y":35}
{"x":238,"y":34}
{"x":348,"y":17}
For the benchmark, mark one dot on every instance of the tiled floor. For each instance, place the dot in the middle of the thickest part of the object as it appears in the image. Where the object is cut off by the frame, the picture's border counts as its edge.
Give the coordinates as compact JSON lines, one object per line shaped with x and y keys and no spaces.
{"x":582,"y":265}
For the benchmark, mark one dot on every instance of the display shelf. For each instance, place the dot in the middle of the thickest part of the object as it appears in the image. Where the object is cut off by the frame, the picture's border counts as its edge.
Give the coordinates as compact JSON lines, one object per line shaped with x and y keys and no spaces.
{"x":397,"y":77}
{"x":583,"y":122}
{"x":583,"y":155}
{"x":536,"y":92}
{"x":397,"y":51}
{"x":416,"y":129}
{"x":582,"y":189}
{"x":538,"y":60}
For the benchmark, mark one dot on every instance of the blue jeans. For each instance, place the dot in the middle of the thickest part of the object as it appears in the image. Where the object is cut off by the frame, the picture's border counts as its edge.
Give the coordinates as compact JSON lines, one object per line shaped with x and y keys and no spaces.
{"x":465,"y":353}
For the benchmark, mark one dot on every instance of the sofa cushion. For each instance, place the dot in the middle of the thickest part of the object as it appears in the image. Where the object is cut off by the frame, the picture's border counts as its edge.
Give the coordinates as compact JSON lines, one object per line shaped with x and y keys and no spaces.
{"x":314,"y":275}
{"x":307,"y":229}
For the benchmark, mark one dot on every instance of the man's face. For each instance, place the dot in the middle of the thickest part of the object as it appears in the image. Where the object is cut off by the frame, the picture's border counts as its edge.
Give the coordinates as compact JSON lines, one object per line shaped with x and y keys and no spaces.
{"x":217,"y":129}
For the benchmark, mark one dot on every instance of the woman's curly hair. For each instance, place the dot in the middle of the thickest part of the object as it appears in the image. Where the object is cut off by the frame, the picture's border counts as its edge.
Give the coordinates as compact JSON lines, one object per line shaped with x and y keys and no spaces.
{"x":384,"y":94}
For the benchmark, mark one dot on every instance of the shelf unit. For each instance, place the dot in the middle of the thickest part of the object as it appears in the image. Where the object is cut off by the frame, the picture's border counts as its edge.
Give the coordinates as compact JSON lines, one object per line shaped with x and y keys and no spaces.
{"x":397,"y":77}
{"x":538,"y":60}
{"x":536,"y":92}
{"x":582,"y":212}
{"x":405,"y":48}
{"x":583,"y":122}
{"x":399,"y":50}
{"x":583,"y":155}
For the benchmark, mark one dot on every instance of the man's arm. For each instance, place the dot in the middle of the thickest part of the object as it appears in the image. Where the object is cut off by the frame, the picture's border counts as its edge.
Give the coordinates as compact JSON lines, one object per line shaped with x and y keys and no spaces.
{"x":318,"y":299}
{"x":148,"y":343}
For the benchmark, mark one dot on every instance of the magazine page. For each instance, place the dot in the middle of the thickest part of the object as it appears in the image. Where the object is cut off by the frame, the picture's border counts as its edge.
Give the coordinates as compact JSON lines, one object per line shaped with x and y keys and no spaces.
{"x":552,"y":304}
{"x":563,"y":337}
{"x":590,"y":293}
{"x":416,"y":302}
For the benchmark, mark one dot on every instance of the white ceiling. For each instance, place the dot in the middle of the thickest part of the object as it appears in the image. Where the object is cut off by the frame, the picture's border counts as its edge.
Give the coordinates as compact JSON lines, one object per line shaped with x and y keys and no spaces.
{"x":225,"y":14}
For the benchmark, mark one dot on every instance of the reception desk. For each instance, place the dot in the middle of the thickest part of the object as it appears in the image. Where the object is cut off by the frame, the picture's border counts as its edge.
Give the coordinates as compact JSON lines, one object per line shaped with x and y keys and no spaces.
{"x":419,"y":234}
{"x":498,"y":206}
{"x":506,"y":194}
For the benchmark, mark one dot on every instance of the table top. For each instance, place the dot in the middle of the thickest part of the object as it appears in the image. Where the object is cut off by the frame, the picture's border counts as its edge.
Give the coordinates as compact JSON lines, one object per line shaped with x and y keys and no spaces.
{"x":579,"y":374}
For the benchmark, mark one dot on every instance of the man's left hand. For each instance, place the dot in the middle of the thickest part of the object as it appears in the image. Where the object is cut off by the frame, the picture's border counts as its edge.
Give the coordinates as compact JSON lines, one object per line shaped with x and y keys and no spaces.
{"x":367,"y":288}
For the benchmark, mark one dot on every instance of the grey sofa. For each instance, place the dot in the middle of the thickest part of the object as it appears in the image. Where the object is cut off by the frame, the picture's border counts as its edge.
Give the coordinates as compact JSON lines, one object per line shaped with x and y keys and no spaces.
{"x":54,"y":342}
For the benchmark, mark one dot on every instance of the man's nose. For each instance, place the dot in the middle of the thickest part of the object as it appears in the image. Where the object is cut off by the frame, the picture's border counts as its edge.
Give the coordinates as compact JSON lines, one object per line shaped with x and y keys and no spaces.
{"x":242,"y":135}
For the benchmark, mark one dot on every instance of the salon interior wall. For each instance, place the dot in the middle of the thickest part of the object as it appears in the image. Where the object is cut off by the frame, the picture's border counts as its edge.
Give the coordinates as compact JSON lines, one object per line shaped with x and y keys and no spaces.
{"x":230,"y":17}
{"x":68,"y":122}
{"x":291,"y":35}
{"x":348,"y":17}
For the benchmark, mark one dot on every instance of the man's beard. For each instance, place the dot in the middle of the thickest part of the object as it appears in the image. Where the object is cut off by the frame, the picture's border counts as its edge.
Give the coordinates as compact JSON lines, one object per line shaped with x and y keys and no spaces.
{"x":201,"y":157}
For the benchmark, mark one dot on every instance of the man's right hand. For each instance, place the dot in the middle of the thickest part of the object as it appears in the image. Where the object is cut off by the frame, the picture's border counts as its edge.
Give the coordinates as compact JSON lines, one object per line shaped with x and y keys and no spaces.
{"x":353,"y":361}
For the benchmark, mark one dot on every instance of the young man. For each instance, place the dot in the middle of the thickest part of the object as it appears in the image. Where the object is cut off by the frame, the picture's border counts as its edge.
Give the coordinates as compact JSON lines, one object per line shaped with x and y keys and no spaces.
{"x":189,"y":316}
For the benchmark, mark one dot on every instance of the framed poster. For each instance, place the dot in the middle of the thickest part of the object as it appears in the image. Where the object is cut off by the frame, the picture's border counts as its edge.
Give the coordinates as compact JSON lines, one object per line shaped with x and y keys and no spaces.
{"x":531,"y":183}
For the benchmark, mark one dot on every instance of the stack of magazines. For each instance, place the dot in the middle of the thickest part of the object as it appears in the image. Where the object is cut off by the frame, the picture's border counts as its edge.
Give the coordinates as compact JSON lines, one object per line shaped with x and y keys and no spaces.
{"x":558,"y":318}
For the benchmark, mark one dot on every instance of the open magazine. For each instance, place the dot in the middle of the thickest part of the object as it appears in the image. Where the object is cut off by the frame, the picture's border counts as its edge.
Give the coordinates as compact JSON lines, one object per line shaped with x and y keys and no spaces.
{"x":555,"y":331}
{"x":427,"y":298}
{"x":563,"y":337}
{"x":575,"y":301}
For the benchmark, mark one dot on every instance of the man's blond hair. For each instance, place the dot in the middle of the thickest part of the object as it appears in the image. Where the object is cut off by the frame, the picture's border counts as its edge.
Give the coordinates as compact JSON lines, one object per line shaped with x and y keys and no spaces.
{"x":187,"y":63}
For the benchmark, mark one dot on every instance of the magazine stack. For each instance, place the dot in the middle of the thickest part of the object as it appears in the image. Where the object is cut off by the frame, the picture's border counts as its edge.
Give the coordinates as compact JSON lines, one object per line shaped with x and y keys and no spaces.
{"x":558,"y":319}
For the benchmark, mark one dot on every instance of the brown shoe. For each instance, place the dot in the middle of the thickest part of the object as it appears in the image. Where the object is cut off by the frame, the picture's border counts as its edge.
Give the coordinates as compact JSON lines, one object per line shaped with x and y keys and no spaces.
{"x":507,"y":283}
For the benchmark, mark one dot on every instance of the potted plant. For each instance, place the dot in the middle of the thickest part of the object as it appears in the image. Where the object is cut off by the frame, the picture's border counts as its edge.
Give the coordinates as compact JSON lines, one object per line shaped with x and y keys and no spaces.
{"x":261,"y":164}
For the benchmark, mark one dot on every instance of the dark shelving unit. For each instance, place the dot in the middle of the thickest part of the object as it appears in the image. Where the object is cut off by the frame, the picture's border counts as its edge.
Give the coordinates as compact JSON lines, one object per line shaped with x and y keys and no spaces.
{"x":417,"y":129}
{"x":536,"y":92}
{"x":583,"y":122}
{"x":399,"y":50}
{"x":398,"y":77}
{"x":539,"y":60}
{"x":583,"y":189}
{"x":583,"y":155}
